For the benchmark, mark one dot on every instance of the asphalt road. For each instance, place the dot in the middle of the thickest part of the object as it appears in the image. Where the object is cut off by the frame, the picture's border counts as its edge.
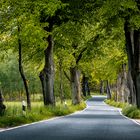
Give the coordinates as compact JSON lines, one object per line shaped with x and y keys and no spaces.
{"x":97,"y":122}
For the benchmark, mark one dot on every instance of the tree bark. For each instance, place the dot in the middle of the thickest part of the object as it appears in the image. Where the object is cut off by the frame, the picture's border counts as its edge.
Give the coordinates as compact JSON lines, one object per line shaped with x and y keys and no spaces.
{"x":101,"y":87}
{"x":132,"y":96}
{"x":22,"y":72}
{"x":88,"y":88}
{"x":137,"y":65}
{"x":75,"y":85}
{"x":75,"y":77}
{"x":133,"y":51}
{"x":84,"y":85}
{"x":47,"y":74}
{"x":108,"y":90}
{"x":61,"y":81}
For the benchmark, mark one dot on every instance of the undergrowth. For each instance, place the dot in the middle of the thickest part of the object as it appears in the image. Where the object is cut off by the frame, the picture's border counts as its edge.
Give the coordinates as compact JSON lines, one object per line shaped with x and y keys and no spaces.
{"x":127,"y":109}
{"x":131,"y":112}
{"x":14,"y":116}
{"x":116,"y":104}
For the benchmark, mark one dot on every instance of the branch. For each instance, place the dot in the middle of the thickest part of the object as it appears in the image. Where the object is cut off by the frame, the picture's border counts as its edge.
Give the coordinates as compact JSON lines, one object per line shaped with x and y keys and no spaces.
{"x":67,"y":76}
{"x":80,"y":55}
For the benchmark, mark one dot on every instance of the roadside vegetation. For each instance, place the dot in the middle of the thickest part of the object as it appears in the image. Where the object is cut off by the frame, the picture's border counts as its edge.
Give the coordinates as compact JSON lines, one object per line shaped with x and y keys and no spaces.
{"x":14,"y":115}
{"x":116,"y":104}
{"x":127,"y":109}
{"x":66,"y":49}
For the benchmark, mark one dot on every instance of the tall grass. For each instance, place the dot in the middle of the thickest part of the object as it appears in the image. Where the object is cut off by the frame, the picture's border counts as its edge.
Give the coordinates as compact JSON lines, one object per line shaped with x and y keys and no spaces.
{"x":14,"y":116}
{"x":127,"y":109}
{"x":131,"y":112}
{"x":116,"y":104}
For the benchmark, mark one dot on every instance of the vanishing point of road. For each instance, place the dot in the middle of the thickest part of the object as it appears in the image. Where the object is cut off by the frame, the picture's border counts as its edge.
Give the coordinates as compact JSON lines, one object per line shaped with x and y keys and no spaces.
{"x":97,"y":122}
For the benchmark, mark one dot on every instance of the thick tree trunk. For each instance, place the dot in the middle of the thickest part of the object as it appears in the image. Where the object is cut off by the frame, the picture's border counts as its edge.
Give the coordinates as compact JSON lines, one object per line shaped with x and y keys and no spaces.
{"x":122,"y":85}
{"x":132,"y":96}
{"x":101,"y":87}
{"x":22,"y":72}
{"x":133,"y":52}
{"x":43,"y":83}
{"x":108,"y":90}
{"x":47,"y":74}
{"x":75,"y":85}
{"x":137,"y":65}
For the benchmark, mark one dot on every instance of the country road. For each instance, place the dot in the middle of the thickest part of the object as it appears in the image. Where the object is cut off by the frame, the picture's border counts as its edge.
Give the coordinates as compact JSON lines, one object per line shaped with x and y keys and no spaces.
{"x":97,"y":122}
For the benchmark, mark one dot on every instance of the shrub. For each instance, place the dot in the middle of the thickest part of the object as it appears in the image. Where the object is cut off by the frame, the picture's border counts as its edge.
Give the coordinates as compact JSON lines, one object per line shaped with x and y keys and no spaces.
{"x":131,"y":111}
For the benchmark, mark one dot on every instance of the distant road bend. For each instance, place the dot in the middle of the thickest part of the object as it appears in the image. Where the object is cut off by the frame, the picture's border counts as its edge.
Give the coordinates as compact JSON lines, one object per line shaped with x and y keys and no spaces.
{"x":97,"y":122}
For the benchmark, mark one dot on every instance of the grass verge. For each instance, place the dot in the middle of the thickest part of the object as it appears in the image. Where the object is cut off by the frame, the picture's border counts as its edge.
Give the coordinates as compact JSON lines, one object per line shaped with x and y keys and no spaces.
{"x":116,"y":104}
{"x":14,"y":115}
{"x":131,"y":112}
{"x":127,"y":109}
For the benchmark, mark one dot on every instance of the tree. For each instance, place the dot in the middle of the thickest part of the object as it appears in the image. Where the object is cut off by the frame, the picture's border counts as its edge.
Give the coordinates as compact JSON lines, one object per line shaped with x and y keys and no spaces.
{"x":50,"y":16}
{"x":127,"y":11}
{"x":22,"y":71}
{"x":18,"y":16}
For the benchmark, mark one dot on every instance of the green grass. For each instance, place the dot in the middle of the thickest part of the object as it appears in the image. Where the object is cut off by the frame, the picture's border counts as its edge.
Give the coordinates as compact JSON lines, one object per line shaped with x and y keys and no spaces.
{"x":131,"y":112}
{"x":87,"y":97}
{"x":14,"y":116}
{"x":116,"y":104}
{"x":97,"y":93}
{"x":127,"y":109}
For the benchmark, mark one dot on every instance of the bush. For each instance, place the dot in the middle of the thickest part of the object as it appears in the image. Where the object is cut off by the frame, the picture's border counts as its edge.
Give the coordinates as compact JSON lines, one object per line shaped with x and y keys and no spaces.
{"x":127,"y":110}
{"x":131,"y":111}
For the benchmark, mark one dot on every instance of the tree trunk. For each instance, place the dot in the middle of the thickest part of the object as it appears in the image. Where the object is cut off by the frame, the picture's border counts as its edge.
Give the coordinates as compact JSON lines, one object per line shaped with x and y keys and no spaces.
{"x":101,"y":87}
{"x":116,"y":91}
{"x":43,"y":83}
{"x":119,"y":82}
{"x":137,"y":65}
{"x":88,"y":89}
{"x":124,"y":88}
{"x":133,"y":52}
{"x":132,"y":96}
{"x":122,"y":85}
{"x":47,"y":74}
{"x":22,"y":72}
{"x":75,"y":84}
{"x":61,"y":81}
{"x":84,"y":85}
{"x":108,"y":90}
{"x":2,"y":106}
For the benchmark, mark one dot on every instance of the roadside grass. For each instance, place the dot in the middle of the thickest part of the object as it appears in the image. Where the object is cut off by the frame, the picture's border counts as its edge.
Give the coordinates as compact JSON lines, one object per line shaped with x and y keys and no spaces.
{"x":127,"y":109}
{"x":97,"y":93}
{"x":131,"y":112}
{"x":116,"y":104}
{"x":14,"y":116}
{"x":87,"y":97}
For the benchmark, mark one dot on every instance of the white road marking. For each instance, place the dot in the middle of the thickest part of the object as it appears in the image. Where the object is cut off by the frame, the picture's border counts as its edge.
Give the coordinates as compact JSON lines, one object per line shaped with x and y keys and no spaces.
{"x":128,"y":118}
{"x":120,"y":111}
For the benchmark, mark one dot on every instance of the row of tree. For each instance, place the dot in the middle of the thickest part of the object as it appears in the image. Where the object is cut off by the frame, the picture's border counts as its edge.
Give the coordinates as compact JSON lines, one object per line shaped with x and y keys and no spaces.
{"x":73,"y":38}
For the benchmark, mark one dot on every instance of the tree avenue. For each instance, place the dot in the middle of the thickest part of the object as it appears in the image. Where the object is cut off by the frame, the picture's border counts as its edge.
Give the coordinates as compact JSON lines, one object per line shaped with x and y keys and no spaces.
{"x":69,"y":49}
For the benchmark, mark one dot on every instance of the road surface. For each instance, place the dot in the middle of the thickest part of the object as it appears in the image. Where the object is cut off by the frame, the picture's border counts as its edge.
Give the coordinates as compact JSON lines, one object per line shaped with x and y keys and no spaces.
{"x":97,"y":122}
